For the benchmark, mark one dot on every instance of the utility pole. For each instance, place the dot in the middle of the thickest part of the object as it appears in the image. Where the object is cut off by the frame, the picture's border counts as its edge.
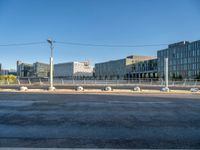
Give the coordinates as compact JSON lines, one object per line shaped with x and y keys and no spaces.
{"x":51,"y":88}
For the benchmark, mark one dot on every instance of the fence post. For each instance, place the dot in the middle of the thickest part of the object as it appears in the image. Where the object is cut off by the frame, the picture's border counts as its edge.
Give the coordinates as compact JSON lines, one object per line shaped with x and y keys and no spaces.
{"x":162,"y":81}
{"x":29,"y":81}
{"x":195,"y":84}
{"x":62,"y":81}
{"x":18,"y":81}
{"x":83,"y":80}
{"x":173,"y":84}
{"x":40,"y":81}
{"x":95,"y":81}
{"x":184,"y":83}
{"x":7,"y":81}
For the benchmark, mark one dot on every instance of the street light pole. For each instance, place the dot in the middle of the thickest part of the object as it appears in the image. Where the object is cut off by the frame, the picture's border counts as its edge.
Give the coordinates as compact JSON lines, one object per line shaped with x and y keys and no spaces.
{"x":166,"y":72}
{"x":166,"y":88}
{"x":50,"y":41}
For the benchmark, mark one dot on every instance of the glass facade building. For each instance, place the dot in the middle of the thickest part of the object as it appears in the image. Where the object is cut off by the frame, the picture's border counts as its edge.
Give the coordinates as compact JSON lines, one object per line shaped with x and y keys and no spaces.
{"x":183,"y":58}
{"x":118,"y":69}
{"x":32,"y":70}
{"x":144,"y":69}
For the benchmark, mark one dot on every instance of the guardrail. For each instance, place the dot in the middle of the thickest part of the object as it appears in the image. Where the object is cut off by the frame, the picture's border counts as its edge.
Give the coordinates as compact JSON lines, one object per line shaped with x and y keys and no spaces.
{"x":62,"y":81}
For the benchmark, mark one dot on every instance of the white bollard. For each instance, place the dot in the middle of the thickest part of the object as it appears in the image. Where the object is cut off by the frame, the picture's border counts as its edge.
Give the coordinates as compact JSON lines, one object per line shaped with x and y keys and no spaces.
{"x":137,"y":88}
{"x":194,"y":90}
{"x":79,"y":88}
{"x":23,"y":88}
{"x":165,"y":89}
{"x":51,"y":88}
{"x":107,"y":88}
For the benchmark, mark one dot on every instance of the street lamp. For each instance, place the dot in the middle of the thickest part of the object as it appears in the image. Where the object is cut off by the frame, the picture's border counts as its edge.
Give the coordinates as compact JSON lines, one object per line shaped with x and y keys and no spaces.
{"x":166,"y":88}
{"x":51,"y":88}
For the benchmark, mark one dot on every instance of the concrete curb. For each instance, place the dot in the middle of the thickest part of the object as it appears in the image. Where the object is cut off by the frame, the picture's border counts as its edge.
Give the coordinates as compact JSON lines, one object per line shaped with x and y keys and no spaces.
{"x":123,"y":91}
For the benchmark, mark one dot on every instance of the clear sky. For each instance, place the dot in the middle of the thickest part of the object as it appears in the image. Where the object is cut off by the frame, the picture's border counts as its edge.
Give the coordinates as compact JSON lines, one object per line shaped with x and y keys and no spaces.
{"x":130,"y":22}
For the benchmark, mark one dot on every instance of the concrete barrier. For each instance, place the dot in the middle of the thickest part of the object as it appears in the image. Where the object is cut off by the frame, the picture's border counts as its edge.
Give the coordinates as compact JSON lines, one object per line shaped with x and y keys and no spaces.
{"x":194,"y":90}
{"x":165,"y":89}
{"x":107,"y":88}
{"x":23,"y":88}
{"x":137,"y":88}
{"x":79,"y":88}
{"x":51,"y":88}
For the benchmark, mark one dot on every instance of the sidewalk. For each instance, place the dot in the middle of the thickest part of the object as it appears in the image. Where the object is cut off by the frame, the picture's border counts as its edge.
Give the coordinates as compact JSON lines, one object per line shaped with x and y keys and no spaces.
{"x":99,"y":91}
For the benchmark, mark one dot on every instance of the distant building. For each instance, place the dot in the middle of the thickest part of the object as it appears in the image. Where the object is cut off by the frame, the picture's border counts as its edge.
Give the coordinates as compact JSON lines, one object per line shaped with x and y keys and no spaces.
{"x":24,"y":69}
{"x":32,"y":70}
{"x":144,"y":69}
{"x":4,"y":72}
{"x":183,"y":58}
{"x":41,"y":69}
{"x":118,"y":69}
{"x":73,"y":70}
{"x":12,"y":72}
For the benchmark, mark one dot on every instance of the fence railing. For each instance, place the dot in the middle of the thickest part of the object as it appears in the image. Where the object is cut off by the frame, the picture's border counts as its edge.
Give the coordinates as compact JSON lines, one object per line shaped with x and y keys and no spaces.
{"x":63,"y":81}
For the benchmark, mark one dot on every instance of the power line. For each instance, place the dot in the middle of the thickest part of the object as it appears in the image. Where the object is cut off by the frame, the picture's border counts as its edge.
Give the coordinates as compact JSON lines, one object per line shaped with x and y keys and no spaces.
{"x":80,"y":44}
{"x":22,"y":44}
{"x":107,"y":45}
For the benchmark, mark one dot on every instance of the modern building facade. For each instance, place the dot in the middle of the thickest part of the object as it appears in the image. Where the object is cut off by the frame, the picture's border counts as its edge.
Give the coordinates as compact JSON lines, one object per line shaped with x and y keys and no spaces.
{"x":183,"y":61}
{"x":24,"y":69}
{"x":118,"y":69}
{"x":183,"y":58}
{"x":32,"y":70}
{"x":144,"y":69}
{"x":41,"y":69}
{"x":73,"y":70}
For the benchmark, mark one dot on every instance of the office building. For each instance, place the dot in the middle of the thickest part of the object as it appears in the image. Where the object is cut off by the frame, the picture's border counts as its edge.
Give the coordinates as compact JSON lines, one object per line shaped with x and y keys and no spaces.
{"x":41,"y":69}
{"x":183,"y":58}
{"x":73,"y":70}
{"x":24,"y":69}
{"x":118,"y":69}
{"x":144,"y":69}
{"x":32,"y":70}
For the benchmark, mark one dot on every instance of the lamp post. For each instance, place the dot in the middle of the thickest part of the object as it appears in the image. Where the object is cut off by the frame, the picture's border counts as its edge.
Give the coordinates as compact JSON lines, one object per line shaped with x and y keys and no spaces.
{"x":166,"y":88}
{"x":51,"y":88}
{"x":166,"y":72}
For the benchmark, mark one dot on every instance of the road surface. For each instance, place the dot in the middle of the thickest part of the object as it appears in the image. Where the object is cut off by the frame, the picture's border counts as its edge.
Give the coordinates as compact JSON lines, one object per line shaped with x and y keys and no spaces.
{"x":99,"y":121}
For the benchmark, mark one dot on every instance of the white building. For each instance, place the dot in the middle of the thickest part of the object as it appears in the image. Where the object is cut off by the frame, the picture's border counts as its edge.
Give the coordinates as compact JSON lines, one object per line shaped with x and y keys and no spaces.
{"x":73,"y":69}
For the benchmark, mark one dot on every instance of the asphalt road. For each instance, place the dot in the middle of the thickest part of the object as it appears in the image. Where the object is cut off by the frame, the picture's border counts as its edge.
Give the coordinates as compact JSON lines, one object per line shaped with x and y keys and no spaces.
{"x":99,"y":121}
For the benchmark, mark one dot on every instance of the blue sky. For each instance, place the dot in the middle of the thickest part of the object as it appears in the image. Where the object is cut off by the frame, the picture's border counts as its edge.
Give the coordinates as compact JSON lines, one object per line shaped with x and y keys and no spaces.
{"x":130,"y":22}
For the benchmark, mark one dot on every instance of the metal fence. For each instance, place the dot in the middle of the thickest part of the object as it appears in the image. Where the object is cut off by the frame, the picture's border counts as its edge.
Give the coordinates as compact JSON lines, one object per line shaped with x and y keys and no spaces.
{"x":63,"y":81}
